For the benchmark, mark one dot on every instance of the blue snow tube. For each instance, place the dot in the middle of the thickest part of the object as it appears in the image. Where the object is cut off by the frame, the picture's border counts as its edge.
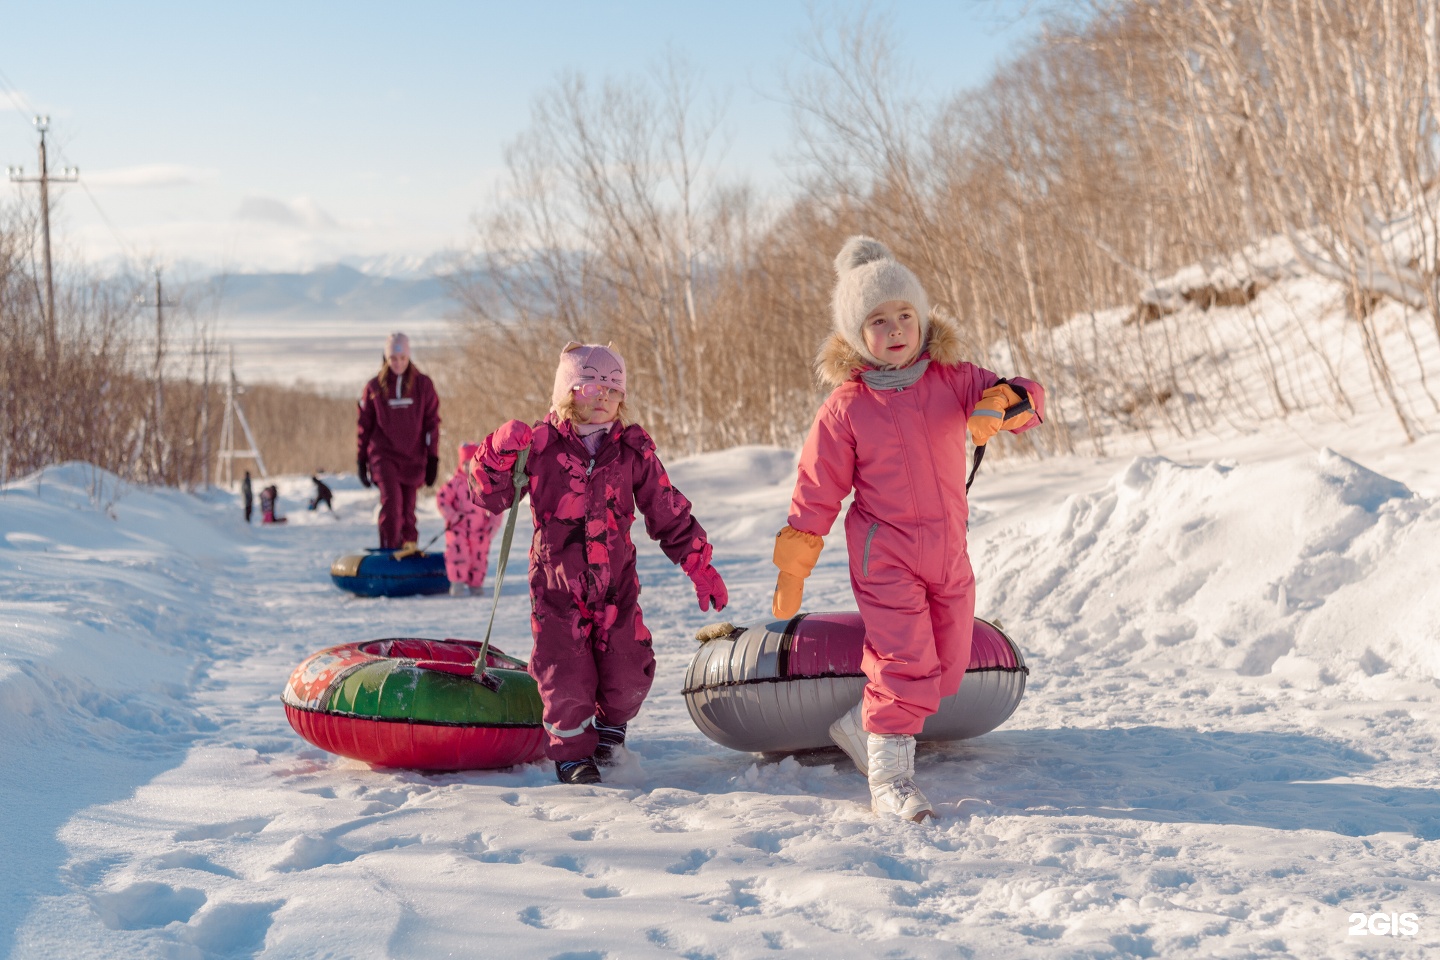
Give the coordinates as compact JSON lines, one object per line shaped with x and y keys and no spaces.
{"x":376,"y":573}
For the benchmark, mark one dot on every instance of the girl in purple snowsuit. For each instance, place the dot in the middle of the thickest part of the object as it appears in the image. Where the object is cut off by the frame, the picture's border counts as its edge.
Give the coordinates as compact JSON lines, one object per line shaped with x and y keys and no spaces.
{"x":586,"y":474}
{"x":468,"y":529}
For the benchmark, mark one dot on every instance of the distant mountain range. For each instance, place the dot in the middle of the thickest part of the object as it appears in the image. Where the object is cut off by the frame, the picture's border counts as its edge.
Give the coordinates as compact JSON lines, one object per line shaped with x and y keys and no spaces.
{"x":327,"y":326}
{"x":334,"y":292}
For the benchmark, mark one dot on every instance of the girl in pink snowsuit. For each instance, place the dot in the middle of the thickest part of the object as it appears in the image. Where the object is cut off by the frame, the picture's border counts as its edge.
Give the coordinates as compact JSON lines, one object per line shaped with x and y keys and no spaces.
{"x":893,"y":431}
{"x":468,"y":529}
{"x":587,"y":473}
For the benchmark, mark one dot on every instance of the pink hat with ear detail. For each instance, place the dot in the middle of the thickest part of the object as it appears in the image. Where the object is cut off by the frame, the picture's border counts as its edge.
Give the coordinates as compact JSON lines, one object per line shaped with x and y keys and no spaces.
{"x":582,"y":363}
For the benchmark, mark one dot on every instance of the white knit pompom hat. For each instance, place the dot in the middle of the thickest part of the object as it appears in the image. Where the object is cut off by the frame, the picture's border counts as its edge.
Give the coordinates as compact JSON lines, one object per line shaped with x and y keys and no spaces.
{"x":867,"y":275}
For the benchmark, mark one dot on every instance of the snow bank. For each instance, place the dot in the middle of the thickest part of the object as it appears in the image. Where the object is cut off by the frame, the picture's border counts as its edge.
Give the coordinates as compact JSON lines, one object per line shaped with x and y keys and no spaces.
{"x":103,"y":619}
{"x":1315,"y":569}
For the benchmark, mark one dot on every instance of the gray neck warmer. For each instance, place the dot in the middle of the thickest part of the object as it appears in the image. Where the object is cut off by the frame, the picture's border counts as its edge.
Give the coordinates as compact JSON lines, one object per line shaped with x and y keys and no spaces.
{"x":895,"y":379}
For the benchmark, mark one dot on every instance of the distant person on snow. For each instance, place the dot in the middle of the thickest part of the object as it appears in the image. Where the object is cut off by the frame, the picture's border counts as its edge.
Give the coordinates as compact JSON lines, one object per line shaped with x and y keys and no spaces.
{"x":468,"y":529}
{"x":587,"y":473}
{"x":323,"y":495}
{"x":399,"y":442}
{"x":269,"y":502}
{"x":247,"y":495}
{"x":893,"y":430}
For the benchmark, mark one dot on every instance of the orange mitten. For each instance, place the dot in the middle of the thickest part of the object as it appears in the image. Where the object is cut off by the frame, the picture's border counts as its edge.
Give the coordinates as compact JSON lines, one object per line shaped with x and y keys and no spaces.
{"x":795,"y":554}
{"x":990,"y":417}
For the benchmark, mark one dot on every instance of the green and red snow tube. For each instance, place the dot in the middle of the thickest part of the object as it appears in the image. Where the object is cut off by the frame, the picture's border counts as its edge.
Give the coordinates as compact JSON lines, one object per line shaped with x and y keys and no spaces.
{"x":392,"y":703}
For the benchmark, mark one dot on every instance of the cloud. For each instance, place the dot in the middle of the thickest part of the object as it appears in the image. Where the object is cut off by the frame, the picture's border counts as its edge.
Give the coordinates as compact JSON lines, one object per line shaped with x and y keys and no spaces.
{"x":303,"y":213}
{"x":151,"y":175}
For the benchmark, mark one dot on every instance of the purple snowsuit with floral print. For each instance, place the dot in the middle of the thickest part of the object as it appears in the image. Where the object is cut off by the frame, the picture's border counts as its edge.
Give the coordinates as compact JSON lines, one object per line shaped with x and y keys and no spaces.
{"x":592,"y":657}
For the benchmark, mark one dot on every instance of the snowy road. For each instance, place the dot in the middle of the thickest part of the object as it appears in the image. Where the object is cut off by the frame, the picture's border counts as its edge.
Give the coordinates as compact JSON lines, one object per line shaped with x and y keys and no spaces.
{"x":1226,"y":749}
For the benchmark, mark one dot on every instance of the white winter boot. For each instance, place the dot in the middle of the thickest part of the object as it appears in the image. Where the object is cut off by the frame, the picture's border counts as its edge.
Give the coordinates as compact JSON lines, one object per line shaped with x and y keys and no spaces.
{"x":892,"y":778}
{"x":851,"y":737}
{"x":459,"y":588}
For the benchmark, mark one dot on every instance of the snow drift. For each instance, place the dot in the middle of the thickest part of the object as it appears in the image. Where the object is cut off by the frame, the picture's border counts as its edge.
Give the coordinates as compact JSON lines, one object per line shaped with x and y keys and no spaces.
{"x":1315,"y":569}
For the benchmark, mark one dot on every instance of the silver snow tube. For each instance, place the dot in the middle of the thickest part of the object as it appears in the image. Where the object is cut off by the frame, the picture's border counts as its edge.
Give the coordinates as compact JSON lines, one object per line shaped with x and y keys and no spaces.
{"x":775,"y":686}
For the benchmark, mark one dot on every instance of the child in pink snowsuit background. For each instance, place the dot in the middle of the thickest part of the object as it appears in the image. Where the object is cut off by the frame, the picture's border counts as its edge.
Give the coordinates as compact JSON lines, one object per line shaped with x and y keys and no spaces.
{"x":587,"y":473}
{"x":894,"y":431}
{"x":468,"y":529}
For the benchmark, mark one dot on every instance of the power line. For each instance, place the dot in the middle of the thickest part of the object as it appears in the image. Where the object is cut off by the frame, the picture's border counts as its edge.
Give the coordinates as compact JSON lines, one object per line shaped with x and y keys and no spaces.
{"x":66,"y":175}
{"x":23,"y":106}
{"x":16,"y":97}
{"x":160,"y":303}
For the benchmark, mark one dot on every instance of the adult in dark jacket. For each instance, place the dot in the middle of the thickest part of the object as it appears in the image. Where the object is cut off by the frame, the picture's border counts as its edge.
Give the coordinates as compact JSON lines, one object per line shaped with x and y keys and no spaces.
{"x":247,"y":495}
{"x":399,"y":441}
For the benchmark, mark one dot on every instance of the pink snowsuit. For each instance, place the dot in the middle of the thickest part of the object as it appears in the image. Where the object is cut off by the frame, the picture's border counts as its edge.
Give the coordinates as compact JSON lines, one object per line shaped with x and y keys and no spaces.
{"x":592,"y":656}
{"x":903,"y":453}
{"x":468,"y":526}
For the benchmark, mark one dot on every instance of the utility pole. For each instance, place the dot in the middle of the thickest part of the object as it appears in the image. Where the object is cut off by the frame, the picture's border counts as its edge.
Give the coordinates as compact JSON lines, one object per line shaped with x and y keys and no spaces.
{"x":157,"y":435}
{"x":225,"y":460}
{"x":206,"y":352}
{"x":67,"y":175}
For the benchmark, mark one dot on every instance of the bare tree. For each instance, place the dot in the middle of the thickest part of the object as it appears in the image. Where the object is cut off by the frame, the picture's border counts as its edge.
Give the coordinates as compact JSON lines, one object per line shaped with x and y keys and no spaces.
{"x":615,"y":227}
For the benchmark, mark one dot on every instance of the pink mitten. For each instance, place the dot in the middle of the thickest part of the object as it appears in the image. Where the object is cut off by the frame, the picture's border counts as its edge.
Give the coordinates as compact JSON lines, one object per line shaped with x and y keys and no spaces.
{"x":709,"y":588}
{"x":499,"y":449}
{"x":512,"y":437}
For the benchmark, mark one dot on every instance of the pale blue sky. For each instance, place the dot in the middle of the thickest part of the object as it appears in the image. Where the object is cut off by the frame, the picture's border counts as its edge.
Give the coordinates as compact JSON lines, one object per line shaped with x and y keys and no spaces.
{"x":280,"y":136}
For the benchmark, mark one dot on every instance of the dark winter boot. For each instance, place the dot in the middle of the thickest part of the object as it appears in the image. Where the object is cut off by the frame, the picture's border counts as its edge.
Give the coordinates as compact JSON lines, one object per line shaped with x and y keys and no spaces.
{"x":577,"y":771}
{"x":610,"y":738}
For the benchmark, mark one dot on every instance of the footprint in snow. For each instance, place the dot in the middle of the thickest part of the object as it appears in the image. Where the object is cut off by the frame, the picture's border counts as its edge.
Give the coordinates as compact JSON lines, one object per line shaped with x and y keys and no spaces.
{"x":498,"y":856}
{"x":740,"y":898}
{"x":889,"y":868}
{"x":602,"y":893}
{"x":308,"y":852}
{"x":692,"y":863}
{"x":232,"y":929}
{"x":566,"y":862}
{"x":547,"y":815}
{"x":777,"y":940}
{"x":146,"y":905}
{"x":766,"y":841}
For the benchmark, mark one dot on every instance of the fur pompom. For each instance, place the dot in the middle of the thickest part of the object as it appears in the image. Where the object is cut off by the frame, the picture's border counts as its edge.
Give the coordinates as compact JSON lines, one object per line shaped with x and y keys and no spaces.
{"x":858,"y":251}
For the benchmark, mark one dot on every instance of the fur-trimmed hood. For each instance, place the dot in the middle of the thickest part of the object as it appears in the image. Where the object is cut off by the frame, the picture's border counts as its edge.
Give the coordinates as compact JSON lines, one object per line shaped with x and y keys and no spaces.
{"x":837,"y":361}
